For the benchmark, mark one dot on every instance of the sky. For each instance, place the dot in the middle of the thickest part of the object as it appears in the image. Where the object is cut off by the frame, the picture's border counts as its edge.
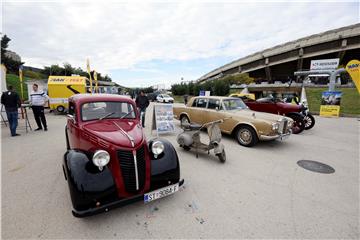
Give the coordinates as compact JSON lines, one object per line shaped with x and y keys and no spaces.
{"x":140,"y":44}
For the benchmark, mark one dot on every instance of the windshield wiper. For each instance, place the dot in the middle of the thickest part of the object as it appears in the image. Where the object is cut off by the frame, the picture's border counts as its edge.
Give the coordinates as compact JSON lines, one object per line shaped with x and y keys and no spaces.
{"x":107,"y":115}
{"x":126,"y":114}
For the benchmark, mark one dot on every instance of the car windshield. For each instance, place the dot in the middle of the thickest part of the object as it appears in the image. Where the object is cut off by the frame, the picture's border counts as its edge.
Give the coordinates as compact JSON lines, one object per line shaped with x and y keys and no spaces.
{"x":102,"y":110}
{"x":234,"y":103}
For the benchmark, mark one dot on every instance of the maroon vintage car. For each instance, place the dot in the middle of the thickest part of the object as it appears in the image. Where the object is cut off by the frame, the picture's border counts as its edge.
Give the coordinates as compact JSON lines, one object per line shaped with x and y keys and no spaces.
{"x":108,"y":162}
{"x":299,"y":113}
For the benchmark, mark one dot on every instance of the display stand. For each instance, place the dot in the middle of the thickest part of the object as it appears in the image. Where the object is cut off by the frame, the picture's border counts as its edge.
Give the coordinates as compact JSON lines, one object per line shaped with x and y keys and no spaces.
{"x":27,"y":122}
{"x":163,"y":119}
{"x":2,"y":117}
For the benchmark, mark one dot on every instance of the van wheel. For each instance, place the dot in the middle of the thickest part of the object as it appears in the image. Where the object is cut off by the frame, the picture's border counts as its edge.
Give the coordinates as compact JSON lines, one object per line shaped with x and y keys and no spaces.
{"x":60,"y":109}
{"x":246,"y":136}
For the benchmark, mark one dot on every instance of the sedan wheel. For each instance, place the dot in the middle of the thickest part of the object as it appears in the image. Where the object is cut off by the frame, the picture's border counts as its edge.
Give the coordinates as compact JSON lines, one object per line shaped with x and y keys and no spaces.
{"x":246,"y":136}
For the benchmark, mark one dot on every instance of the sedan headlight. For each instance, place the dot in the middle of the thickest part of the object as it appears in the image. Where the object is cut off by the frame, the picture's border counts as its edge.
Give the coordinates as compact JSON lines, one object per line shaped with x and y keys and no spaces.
{"x":101,"y":158}
{"x":157,"y":148}
{"x":275,"y":126}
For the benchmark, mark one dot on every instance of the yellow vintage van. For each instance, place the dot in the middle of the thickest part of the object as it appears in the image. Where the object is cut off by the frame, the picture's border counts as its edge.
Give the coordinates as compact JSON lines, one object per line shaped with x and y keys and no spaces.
{"x":60,"y":88}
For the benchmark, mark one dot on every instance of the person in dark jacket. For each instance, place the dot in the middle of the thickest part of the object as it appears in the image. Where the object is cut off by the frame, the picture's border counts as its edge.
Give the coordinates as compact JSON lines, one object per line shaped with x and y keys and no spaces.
{"x":11,"y":100}
{"x":142,"y":102}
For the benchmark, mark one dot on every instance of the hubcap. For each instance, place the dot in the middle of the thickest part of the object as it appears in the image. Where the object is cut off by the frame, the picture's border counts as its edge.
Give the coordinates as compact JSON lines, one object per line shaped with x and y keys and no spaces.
{"x":245,"y":136}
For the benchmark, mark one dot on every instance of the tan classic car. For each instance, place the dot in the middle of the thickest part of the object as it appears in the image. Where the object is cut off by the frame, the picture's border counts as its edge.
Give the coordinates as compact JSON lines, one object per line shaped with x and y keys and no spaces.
{"x":247,"y":126}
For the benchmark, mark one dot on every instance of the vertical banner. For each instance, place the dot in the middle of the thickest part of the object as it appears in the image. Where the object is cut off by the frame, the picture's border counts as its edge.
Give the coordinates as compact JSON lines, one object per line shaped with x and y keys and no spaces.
{"x":163,"y":118}
{"x":96,"y":82}
{"x":21,"y":82}
{"x":353,"y":68}
{"x":330,"y":104}
{"x":88,"y":69}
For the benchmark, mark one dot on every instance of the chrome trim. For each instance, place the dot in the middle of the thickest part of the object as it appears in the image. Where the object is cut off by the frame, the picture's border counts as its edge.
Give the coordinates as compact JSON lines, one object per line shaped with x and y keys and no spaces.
{"x":126,"y":134}
{"x":269,"y":138}
{"x":136,"y":170}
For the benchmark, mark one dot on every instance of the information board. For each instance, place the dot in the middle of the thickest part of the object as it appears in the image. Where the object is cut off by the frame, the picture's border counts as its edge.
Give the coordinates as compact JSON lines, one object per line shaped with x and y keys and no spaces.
{"x":330,"y":104}
{"x":163,"y":118}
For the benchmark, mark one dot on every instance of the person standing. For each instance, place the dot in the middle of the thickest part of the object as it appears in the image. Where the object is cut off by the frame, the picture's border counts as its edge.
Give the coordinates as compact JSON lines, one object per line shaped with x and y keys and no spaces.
{"x":11,"y":100}
{"x":142,"y":102}
{"x":38,"y":100}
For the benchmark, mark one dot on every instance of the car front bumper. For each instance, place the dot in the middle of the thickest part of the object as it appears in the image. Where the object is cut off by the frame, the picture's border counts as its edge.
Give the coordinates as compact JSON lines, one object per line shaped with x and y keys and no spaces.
{"x":107,"y":207}
{"x":274,"y":137}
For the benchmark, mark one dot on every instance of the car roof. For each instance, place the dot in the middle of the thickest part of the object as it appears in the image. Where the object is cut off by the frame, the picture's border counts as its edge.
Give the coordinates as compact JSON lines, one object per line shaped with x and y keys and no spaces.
{"x":88,"y":97}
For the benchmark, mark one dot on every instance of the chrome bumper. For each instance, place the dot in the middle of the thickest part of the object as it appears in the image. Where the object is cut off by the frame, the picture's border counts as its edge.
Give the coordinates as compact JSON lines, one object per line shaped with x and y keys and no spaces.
{"x":274,"y":137}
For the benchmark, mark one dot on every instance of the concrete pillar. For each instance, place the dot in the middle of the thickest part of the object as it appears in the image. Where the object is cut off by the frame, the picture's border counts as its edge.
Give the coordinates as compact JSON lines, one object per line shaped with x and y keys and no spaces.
{"x":268,"y":74}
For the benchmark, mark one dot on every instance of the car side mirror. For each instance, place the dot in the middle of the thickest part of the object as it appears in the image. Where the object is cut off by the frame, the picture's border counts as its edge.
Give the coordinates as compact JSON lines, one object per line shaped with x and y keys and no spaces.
{"x":71,"y":118}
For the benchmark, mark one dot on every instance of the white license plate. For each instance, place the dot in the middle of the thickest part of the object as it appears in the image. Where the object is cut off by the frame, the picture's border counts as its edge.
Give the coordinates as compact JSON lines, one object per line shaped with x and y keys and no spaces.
{"x":162,"y":192}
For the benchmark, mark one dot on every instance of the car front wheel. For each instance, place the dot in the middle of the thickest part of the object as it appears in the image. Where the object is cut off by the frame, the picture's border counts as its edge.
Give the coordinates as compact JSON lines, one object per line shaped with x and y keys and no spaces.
{"x":246,"y":136}
{"x":309,"y":121}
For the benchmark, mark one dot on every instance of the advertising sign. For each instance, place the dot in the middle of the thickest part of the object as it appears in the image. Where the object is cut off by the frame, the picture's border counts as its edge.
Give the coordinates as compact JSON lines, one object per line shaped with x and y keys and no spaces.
{"x":163,"y":118}
{"x":353,"y":68}
{"x":324,"y":64}
{"x":330,"y":104}
{"x":202,"y":93}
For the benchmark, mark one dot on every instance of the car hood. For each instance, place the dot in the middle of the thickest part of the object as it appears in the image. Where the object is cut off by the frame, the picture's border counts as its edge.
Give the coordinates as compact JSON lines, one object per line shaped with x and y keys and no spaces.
{"x":110,"y":130}
{"x":250,"y":114}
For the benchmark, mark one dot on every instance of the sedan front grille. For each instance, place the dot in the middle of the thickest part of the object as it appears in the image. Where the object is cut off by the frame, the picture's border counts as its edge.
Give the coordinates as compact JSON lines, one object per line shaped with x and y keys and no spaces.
{"x":129,"y":171}
{"x":283,"y":124}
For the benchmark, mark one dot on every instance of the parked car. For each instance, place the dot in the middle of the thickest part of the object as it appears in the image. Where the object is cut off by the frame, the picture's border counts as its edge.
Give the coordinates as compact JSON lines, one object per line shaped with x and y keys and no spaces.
{"x":164,"y":98}
{"x":108,"y":162}
{"x":299,"y":113}
{"x":247,"y":126}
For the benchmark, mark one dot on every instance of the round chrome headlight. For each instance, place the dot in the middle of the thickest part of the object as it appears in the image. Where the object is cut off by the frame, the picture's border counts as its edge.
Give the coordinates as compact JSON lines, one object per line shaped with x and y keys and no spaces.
{"x":275,"y":126}
{"x":157,"y":148}
{"x":101,"y":158}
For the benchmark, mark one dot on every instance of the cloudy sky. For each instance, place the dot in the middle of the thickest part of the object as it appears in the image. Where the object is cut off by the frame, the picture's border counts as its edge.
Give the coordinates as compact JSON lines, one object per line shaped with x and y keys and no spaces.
{"x":147,"y":43}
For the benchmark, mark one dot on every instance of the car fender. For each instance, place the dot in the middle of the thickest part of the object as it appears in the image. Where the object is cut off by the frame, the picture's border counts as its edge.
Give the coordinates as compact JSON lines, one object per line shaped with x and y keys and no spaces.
{"x":294,"y":113}
{"x":247,"y":124}
{"x":87,"y":184}
{"x":165,"y":168}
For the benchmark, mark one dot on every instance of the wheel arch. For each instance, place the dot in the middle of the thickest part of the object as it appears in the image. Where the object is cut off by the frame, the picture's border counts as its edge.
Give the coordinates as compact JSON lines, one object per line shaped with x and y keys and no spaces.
{"x":244,"y":124}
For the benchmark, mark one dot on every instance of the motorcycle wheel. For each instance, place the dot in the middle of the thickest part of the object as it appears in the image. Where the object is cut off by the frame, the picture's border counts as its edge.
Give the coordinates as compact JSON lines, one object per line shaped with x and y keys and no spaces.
{"x":222,"y":156}
{"x":309,"y":121}
{"x":299,"y":124}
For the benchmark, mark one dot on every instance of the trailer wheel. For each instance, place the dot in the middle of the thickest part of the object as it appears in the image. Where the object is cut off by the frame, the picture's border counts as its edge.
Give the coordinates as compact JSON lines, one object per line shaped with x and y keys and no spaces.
{"x":60,"y":109}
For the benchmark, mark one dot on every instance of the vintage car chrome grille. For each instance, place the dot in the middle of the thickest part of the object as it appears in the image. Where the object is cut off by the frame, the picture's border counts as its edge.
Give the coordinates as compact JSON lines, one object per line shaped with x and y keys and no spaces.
{"x":132,"y":169}
{"x":283,"y":126}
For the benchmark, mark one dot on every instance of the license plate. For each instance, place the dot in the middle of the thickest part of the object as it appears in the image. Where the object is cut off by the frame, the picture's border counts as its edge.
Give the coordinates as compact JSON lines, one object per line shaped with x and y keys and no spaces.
{"x":162,"y":192}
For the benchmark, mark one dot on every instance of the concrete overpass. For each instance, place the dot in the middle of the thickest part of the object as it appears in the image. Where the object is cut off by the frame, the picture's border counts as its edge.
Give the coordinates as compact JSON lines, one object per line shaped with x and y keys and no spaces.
{"x":280,"y":62}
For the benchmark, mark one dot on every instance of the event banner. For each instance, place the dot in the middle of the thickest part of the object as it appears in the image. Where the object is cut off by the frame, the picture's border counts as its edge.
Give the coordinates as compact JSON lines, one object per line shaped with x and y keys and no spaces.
{"x":353,"y":68}
{"x":163,"y":118}
{"x":330,"y":104}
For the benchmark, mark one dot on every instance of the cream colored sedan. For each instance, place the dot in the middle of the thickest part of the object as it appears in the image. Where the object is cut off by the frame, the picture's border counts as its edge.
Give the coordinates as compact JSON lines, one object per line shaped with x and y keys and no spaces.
{"x":247,"y":126}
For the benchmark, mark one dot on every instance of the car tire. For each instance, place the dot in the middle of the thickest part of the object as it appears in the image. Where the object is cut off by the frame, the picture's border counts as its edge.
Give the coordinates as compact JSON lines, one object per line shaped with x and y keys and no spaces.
{"x":309,"y":121}
{"x":246,"y":136}
{"x":60,"y":109}
{"x":184,"y":119}
{"x":222,"y":156}
{"x":299,"y":124}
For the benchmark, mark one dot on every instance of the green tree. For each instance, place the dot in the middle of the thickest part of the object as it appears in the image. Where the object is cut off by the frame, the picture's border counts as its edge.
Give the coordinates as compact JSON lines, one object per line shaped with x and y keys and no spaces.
{"x":11,"y":65}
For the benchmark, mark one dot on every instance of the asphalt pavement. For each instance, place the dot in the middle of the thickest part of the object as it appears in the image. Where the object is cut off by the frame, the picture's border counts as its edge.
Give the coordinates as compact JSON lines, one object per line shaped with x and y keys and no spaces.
{"x":259,"y":192}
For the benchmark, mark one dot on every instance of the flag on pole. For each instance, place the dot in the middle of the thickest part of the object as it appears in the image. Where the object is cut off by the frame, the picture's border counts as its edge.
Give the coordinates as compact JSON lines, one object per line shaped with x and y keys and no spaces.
{"x":96,"y":82}
{"x":353,"y":68}
{"x":88,"y":69}
{"x":21,"y":81}
{"x":303,"y":98}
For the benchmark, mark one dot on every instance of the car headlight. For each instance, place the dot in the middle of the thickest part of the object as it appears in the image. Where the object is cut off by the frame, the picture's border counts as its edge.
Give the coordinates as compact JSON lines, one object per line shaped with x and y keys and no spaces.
{"x":275,"y":126}
{"x":157,"y":148}
{"x":101,"y":158}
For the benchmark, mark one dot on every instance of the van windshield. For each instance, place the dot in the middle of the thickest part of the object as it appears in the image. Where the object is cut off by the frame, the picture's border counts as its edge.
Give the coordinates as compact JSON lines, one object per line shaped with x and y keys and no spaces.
{"x":102,"y":110}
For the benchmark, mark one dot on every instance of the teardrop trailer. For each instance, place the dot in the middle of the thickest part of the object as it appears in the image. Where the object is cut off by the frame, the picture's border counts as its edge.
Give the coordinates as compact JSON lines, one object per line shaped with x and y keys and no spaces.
{"x":108,"y":162}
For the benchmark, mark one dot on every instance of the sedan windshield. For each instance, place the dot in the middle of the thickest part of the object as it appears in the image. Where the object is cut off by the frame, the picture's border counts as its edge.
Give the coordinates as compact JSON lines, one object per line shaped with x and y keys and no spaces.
{"x":102,"y":110}
{"x":234,"y":103}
